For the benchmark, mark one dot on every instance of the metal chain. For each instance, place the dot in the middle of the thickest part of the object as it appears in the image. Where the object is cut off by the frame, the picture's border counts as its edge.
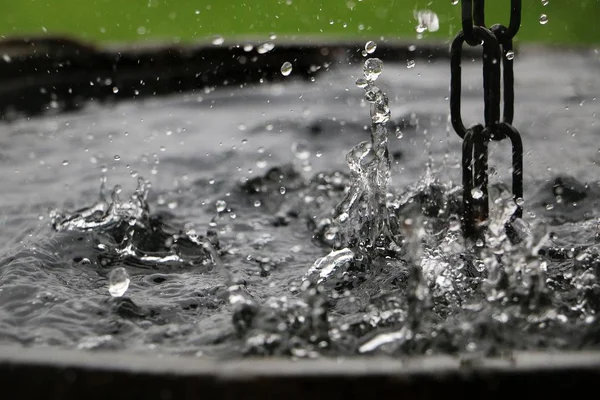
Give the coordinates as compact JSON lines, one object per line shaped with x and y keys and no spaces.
{"x":497,"y":44}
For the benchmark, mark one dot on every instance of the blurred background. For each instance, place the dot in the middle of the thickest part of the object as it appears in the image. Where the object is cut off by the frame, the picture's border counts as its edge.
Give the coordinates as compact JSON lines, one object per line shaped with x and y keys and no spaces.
{"x":570,"y":22}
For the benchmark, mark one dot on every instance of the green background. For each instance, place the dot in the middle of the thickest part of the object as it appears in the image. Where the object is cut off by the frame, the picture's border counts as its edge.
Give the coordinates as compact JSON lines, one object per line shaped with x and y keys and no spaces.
{"x":569,"y":21}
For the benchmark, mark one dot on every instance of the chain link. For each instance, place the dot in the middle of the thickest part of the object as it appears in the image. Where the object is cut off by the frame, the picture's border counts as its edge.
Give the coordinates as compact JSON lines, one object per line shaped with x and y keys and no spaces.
{"x":498,"y":78}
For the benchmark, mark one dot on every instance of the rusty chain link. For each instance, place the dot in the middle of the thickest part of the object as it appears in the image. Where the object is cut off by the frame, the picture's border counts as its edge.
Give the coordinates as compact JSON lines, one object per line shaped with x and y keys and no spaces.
{"x":498,"y":85}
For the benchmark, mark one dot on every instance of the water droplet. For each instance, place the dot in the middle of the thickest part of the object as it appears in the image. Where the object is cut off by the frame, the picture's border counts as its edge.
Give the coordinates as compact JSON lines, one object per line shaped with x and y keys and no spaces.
{"x":370,"y":47}
{"x":286,"y":68}
{"x":118,"y":282}
{"x":372,"y":69}
{"x":399,"y":133}
{"x":219,"y":40}
{"x":265,"y":48}
{"x":282,"y":190}
{"x":454,"y":2}
{"x":300,"y":150}
{"x":117,"y":157}
{"x":257,"y":203}
{"x":543,"y":19}
{"x":221,"y":205}
{"x":427,"y":21}
{"x":361,"y":83}
{"x":545,"y":2}
{"x":65,"y":162}
{"x":477,"y":193}
{"x":410,"y":64}
{"x":262,"y":163}
{"x":510,"y":55}
{"x":520,"y":201}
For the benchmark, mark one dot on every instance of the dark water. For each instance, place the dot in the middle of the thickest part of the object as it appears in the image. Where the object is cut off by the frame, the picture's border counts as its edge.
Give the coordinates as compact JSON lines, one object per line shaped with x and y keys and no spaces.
{"x":205,"y":282}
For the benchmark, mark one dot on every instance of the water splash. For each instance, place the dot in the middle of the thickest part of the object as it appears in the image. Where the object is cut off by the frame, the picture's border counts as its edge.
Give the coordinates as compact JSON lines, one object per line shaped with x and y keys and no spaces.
{"x":361,"y":219}
{"x":134,"y":233}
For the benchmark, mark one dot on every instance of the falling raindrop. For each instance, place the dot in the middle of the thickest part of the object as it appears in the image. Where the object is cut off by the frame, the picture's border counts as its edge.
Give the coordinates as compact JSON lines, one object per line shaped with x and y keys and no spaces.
{"x":118,"y":282}
{"x":427,"y":21}
{"x":286,"y":68}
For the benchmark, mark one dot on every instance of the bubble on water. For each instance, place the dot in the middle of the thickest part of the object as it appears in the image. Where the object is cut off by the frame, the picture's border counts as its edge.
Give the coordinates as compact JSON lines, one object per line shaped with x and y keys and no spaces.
{"x":372,"y":69}
{"x":221,"y":205}
{"x":543,"y":19}
{"x":370,"y":47}
{"x":300,"y":150}
{"x":286,"y":68}
{"x":265,"y":48}
{"x":219,"y":40}
{"x":510,"y":55}
{"x":118,"y":282}
{"x":361,"y":83}
{"x":427,"y":20}
{"x":477,"y":193}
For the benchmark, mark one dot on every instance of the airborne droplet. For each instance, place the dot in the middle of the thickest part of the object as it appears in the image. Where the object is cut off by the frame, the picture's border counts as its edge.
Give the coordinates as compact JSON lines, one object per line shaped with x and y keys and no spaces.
{"x":372,"y":69}
{"x":286,"y":68}
{"x":543,"y":19}
{"x":370,"y":47}
{"x":220,"y":205}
